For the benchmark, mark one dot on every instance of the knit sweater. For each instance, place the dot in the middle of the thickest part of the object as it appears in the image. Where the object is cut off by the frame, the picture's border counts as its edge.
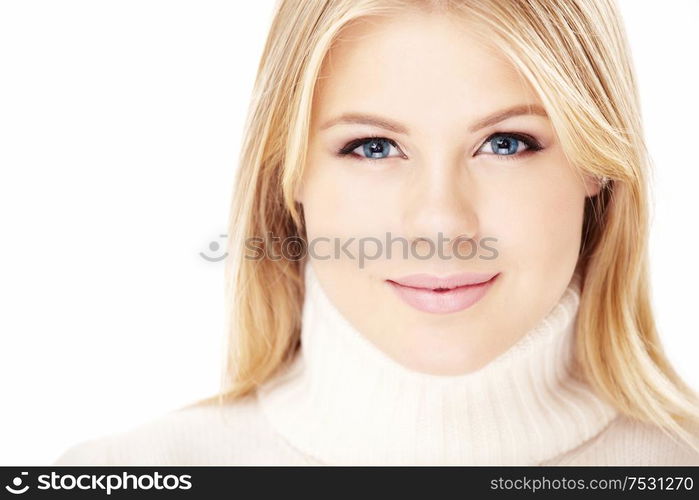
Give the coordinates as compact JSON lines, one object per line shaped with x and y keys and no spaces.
{"x":342,"y":400}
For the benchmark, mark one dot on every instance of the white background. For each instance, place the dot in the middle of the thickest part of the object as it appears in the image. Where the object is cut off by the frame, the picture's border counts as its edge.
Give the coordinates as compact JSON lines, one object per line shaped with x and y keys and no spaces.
{"x":120,"y":125}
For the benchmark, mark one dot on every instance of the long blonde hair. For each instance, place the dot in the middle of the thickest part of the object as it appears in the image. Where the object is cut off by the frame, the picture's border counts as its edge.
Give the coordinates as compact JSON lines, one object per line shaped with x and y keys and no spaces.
{"x":574,"y":53}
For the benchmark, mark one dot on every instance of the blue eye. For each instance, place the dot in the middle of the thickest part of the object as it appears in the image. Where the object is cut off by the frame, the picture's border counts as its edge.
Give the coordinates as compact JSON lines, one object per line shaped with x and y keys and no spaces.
{"x":509,"y":144}
{"x":503,"y":145}
{"x":370,"y":148}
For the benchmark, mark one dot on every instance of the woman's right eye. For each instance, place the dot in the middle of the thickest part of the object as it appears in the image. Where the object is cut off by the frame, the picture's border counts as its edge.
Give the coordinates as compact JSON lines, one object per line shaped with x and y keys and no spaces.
{"x":370,"y":148}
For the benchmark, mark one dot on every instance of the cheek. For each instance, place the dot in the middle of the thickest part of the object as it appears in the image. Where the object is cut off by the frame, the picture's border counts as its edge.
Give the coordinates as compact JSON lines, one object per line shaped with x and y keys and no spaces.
{"x":539,"y":219}
{"x":340,"y":200}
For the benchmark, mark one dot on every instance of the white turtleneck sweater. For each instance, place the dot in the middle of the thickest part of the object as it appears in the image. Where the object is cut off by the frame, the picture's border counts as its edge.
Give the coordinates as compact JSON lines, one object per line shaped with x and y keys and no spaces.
{"x":344,"y":401}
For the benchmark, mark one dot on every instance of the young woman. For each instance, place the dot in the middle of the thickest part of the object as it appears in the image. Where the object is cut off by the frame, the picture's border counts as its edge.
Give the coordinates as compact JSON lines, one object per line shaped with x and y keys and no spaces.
{"x":468,"y":184}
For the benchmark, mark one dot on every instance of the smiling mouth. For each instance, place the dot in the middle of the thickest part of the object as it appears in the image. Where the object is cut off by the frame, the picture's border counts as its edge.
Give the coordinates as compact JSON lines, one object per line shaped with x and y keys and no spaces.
{"x":442,"y":300}
{"x":443,"y":290}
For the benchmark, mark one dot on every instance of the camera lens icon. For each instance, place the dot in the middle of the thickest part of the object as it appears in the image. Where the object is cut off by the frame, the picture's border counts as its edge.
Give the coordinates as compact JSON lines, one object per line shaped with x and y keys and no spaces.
{"x":214,"y":247}
{"x":16,"y":489}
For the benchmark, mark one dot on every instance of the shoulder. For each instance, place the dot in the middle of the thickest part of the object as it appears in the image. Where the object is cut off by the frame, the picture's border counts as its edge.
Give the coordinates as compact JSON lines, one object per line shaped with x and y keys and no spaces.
{"x":202,"y":433}
{"x":627,"y":441}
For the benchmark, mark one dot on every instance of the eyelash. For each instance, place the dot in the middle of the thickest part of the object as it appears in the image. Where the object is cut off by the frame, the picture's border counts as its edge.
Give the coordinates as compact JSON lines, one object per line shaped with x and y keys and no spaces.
{"x":532,"y":146}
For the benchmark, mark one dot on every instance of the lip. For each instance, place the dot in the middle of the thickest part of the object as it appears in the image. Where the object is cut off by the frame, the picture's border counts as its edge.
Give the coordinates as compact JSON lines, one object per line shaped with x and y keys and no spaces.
{"x":453,"y":293}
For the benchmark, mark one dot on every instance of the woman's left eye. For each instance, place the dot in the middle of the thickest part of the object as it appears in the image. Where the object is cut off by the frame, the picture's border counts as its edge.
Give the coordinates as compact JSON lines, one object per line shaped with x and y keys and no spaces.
{"x":371,"y":148}
{"x":509,"y":144}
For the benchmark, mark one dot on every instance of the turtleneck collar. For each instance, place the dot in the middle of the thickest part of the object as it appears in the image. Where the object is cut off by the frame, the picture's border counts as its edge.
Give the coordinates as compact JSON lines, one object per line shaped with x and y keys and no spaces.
{"x":344,"y":401}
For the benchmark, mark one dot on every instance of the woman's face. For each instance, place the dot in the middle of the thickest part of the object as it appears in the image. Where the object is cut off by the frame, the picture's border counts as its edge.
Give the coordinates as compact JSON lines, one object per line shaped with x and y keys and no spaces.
{"x":434,"y":100}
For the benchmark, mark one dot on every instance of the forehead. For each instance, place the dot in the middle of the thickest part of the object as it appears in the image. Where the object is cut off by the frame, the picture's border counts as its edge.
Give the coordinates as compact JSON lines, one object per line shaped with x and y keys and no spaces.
{"x":416,"y":65}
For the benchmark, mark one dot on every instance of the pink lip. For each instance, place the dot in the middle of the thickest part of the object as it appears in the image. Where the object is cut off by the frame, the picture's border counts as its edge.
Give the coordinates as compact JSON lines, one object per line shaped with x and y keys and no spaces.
{"x":443,"y":295}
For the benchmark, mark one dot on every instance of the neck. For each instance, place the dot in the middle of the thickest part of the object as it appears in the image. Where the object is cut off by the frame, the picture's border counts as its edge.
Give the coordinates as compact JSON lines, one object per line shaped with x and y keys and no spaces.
{"x":344,"y":401}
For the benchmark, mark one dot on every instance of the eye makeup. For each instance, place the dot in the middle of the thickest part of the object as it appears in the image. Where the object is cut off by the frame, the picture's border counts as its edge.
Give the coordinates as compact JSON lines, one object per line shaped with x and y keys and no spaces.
{"x":501,"y":141}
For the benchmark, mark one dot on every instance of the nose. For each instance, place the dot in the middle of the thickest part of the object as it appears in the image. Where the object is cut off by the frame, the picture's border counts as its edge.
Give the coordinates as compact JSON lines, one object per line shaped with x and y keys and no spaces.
{"x":443,"y":200}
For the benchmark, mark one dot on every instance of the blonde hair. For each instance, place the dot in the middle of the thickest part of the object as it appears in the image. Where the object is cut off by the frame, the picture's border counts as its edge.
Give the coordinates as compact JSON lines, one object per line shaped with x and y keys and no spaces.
{"x":574,"y":53}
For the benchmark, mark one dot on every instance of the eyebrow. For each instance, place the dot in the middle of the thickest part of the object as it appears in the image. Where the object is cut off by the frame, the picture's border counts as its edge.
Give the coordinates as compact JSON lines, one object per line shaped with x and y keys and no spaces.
{"x":384,"y":123}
